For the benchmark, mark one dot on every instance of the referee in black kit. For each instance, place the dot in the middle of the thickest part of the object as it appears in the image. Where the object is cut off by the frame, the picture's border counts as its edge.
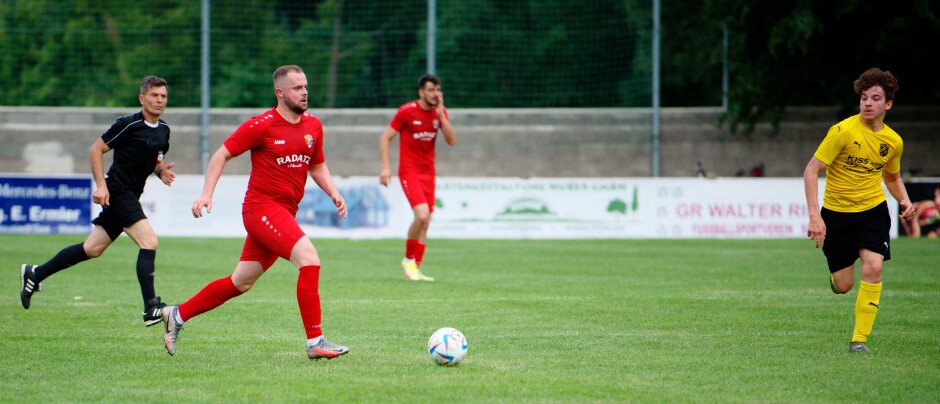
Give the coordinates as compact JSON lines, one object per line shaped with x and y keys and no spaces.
{"x":140,"y":141}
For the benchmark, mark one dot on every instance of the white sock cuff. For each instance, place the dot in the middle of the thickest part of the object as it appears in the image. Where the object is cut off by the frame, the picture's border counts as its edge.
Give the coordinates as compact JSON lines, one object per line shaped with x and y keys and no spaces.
{"x":313,"y":341}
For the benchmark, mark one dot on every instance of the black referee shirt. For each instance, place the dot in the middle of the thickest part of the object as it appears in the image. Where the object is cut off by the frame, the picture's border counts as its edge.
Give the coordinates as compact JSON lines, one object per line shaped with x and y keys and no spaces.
{"x":137,"y":149}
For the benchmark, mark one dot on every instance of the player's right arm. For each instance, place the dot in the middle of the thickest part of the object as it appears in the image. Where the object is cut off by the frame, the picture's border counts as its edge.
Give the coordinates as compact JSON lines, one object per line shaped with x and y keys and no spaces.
{"x":817,"y":228}
{"x":385,"y":176}
{"x":96,"y":157}
{"x":213,"y":173}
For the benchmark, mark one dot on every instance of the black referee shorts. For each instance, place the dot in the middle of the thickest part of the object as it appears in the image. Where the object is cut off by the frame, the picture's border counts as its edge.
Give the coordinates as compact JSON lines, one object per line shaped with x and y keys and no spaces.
{"x":847,"y":232}
{"x":124,"y":210}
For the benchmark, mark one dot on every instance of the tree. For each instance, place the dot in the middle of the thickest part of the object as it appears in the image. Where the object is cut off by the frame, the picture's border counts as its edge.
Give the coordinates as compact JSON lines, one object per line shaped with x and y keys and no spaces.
{"x":526,"y":53}
{"x":809,"y":52}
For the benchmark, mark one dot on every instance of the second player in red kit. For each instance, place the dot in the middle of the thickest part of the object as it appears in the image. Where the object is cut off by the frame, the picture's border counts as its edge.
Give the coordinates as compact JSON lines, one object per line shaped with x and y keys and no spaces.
{"x":418,"y":122}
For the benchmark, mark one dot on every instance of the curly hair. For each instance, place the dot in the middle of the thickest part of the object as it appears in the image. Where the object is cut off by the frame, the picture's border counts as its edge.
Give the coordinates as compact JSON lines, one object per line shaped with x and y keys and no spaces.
{"x":877,"y":77}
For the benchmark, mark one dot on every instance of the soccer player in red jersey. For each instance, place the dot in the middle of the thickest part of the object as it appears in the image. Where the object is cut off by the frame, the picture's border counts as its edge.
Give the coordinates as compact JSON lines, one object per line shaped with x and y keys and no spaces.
{"x":418,"y":122}
{"x":286,"y":144}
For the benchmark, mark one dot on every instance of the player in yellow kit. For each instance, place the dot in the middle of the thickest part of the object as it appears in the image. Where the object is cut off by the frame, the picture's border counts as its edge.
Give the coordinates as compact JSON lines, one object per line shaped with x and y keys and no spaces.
{"x":857,"y":155}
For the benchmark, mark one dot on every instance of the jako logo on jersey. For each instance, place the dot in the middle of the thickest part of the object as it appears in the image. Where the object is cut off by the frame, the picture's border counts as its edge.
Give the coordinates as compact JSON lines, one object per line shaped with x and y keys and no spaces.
{"x":309,"y":140}
{"x":293,"y":158}
{"x":280,"y":141}
{"x":416,"y":123}
{"x":425,"y":136}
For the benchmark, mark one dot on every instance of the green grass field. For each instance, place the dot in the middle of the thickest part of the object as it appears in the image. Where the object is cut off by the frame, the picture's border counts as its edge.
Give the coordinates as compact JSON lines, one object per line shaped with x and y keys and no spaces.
{"x":556,"y":321}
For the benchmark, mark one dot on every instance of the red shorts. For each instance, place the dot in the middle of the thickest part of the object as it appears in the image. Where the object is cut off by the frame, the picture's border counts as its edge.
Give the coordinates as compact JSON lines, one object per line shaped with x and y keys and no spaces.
{"x":419,"y":188}
{"x":272,"y":232}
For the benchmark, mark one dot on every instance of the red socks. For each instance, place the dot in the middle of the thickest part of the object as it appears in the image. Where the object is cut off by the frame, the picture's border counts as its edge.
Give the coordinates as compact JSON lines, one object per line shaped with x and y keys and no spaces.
{"x":308,"y":298}
{"x":210,"y":297}
{"x":419,"y":253}
{"x":220,"y":290}
{"x":414,"y":250}
{"x":411,"y":247}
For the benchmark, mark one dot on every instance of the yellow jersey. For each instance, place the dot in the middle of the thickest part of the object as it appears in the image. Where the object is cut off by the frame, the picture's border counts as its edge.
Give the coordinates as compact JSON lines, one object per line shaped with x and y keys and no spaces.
{"x":856,"y":158}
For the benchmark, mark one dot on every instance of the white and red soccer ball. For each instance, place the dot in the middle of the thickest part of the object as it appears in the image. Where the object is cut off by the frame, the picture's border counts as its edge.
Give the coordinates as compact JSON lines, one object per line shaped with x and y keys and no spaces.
{"x":447,"y":346}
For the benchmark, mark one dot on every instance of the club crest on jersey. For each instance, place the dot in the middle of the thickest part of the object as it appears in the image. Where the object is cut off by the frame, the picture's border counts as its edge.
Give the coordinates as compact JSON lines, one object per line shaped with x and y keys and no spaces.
{"x":437,"y":124}
{"x":309,"y":139}
{"x":883,"y":149}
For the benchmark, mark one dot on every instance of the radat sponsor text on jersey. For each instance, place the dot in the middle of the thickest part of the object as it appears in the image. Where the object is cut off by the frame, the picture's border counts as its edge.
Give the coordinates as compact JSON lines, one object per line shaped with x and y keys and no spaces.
{"x":294,"y":158}
{"x":424,"y":136}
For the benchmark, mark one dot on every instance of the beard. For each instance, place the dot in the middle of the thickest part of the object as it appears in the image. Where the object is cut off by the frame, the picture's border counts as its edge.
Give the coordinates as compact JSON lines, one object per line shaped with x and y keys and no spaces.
{"x":298,"y":107}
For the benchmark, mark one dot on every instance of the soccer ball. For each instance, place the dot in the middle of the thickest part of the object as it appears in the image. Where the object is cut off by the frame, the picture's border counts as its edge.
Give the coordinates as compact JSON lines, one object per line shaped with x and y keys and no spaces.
{"x":447,"y":346}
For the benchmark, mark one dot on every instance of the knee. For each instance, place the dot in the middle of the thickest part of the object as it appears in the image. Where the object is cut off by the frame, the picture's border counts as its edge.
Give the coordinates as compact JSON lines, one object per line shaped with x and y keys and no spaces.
{"x":307,"y":259}
{"x":149,"y":243}
{"x":872,"y":272}
{"x":842,"y":287}
{"x":93,"y":251}
{"x":304,"y":254}
{"x":243,"y":286}
{"x":423,"y":220}
{"x":842,"y":282}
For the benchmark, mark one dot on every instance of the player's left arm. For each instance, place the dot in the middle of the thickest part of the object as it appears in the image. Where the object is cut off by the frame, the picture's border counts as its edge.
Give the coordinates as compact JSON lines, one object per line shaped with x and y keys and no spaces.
{"x":450,"y":134}
{"x":896,"y":187}
{"x":321,"y":175}
{"x":165,"y":172}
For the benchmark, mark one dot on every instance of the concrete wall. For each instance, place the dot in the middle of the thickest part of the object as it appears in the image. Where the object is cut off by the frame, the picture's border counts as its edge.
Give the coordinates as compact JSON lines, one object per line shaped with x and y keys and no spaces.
{"x":492,"y":142}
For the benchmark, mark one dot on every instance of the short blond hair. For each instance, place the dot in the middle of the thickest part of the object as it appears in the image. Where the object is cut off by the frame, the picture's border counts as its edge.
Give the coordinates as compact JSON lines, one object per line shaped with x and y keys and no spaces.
{"x":282,"y":71}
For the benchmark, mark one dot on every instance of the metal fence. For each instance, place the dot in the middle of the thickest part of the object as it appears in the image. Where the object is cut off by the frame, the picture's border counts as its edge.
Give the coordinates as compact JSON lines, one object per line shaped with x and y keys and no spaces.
{"x":362,"y":54}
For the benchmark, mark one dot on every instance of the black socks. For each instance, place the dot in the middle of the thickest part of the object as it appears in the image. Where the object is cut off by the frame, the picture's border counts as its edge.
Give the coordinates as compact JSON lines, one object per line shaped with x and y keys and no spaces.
{"x":69,"y":256}
{"x":145,"y":271}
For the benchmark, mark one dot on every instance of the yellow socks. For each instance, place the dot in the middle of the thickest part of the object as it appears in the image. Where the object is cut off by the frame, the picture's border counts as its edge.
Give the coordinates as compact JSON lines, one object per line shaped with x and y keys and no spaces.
{"x":866,"y":307}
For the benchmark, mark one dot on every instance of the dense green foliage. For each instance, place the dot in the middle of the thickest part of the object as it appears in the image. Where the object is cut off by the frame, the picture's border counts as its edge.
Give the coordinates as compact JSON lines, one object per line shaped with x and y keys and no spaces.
{"x":547,"y":321}
{"x":788,"y":53}
{"x":357,"y":54}
{"x":530,"y":53}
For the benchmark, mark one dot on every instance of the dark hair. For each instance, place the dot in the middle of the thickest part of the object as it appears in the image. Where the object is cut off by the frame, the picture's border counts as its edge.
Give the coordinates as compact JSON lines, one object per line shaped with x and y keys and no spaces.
{"x":283,"y":70}
{"x":152,"y":81}
{"x":426,"y":78}
{"x":876,"y":77}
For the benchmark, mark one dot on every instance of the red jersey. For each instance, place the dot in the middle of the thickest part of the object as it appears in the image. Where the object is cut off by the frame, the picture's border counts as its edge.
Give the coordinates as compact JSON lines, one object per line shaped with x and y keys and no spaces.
{"x":281,"y":155}
{"x":418,"y":130}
